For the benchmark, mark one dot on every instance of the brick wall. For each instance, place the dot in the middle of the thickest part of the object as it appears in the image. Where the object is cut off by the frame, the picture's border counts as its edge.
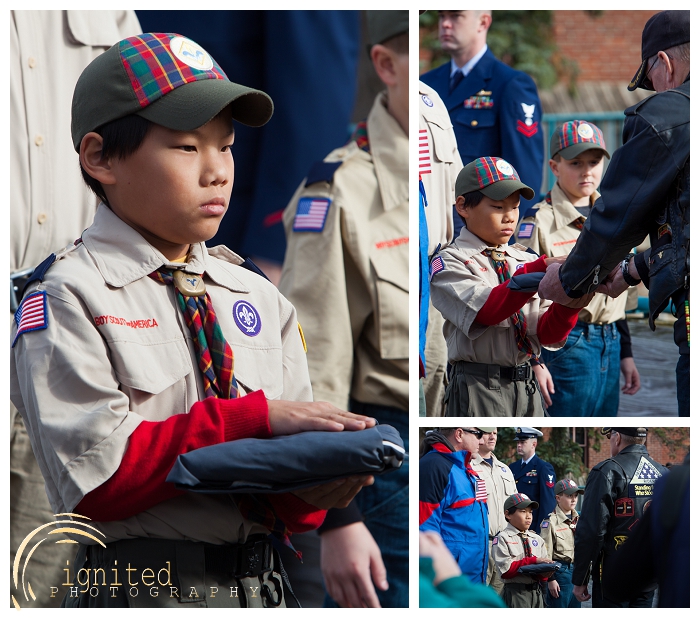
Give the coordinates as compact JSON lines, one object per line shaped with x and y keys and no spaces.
{"x":606,"y":47}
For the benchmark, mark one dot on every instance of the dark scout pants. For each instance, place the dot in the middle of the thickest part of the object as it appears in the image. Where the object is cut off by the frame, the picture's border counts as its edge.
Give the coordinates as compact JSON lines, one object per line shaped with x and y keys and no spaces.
{"x":161,"y":573}
{"x":522,"y":595}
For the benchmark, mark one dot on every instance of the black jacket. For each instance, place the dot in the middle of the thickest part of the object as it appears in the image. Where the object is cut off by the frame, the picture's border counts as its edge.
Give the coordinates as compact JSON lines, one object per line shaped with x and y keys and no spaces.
{"x":646,"y":190}
{"x":618,"y":491}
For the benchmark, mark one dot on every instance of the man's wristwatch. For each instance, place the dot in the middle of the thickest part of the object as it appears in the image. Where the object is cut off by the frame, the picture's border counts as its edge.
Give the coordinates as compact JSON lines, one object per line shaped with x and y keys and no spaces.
{"x":625,"y":268}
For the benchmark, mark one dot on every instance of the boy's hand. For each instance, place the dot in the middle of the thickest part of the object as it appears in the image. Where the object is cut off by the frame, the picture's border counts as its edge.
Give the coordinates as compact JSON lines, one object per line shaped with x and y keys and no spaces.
{"x":554,"y":588}
{"x":555,"y":260}
{"x":544,"y":561}
{"x":290,"y":417}
{"x":544,"y":379}
{"x":631,"y":375}
{"x":334,"y":495}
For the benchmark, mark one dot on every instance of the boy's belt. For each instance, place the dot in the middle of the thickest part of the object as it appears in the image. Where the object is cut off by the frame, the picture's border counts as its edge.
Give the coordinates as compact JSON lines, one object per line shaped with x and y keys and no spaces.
{"x":518,"y":373}
{"x":522,"y":586}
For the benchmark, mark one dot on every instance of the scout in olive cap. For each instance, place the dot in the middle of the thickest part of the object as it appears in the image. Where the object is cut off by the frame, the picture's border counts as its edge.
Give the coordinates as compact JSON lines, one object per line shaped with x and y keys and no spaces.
{"x":567,"y":487}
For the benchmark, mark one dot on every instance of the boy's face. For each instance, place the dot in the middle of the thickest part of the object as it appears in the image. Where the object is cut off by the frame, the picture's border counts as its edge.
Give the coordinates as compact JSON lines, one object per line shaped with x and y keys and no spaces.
{"x":521,"y":519}
{"x":175,"y":189}
{"x":492,"y":221}
{"x":579,"y":177}
{"x":566,"y":503}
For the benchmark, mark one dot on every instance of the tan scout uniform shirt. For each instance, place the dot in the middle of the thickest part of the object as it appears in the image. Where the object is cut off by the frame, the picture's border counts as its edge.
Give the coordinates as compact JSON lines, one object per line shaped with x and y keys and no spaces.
{"x":499,"y":485}
{"x":460,"y":291}
{"x":438,"y":165}
{"x":349,"y":282}
{"x":508,"y":547}
{"x":555,"y":235}
{"x":117,"y":351}
{"x":558,"y":535}
{"x":50,"y":205}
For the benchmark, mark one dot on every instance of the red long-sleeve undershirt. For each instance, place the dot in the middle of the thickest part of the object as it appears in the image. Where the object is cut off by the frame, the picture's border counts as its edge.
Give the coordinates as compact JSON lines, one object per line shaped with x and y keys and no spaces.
{"x":516,"y":564}
{"x":139,"y":482}
{"x":554,"y":325}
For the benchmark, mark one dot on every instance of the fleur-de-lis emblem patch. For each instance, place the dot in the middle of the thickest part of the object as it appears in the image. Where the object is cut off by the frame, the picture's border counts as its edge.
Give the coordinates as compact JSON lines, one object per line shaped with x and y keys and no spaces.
{"x":247,"y":318}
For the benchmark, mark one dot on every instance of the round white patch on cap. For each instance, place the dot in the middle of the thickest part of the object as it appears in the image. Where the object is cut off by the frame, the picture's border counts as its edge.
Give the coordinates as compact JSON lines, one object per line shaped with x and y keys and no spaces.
{"x":504,"y":167}
{"x":192,"y":54}
{"x":585,"y":131}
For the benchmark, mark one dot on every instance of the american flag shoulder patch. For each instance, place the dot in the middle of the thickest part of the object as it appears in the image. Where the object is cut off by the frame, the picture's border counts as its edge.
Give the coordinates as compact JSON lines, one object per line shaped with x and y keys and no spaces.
{"x":526,"y":230}
{"x":481,"y":490}
{"x":31,"y":315}
{"x":311,"y":214}
{"x":436,"y":266}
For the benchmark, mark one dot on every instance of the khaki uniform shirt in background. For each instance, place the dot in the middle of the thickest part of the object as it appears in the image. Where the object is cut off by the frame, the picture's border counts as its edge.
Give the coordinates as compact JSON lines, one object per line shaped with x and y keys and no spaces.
{"x":50,"y":205}
{"x":499,"y":485}
{"x":117,"y":352}
{"x":555,"y":235}
{"x":508,"y":547}
{"x":460,"y":291}
{"x":438,"y":165}
{"x":349,"y":282}
{"x":558,"y":535}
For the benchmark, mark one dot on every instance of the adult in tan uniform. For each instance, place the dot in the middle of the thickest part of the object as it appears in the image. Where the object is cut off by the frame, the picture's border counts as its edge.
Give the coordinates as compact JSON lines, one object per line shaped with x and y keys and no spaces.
{"x":49,"y":207}
{"x":499,"y":485}
{"x":346,"y":272}
{"x":438,"y":165}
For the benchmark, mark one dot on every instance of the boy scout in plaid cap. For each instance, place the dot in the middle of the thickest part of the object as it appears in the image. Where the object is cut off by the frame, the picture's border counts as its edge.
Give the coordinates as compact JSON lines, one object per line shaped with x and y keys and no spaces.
{"x":137,"y":343}
{"x":517,"y":546}
{"x":600,"y":338}
{"x":557,"y":530}
{"x":493,"y":332}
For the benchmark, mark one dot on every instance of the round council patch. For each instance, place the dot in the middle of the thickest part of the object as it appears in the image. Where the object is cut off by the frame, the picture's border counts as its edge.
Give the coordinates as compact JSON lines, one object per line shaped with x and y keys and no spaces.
{"x":585,"y":131}
{"x":504,"y":167}
{"x":192,"y":54}
{"x":247,"y":318}
{"x":427,"y":100}
{"x":534,"y":542}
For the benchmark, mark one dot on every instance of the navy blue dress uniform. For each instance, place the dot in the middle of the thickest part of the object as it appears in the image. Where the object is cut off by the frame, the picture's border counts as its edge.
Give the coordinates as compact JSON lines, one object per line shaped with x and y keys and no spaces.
{"x":496,"y":112}
{"x":536,"y":479}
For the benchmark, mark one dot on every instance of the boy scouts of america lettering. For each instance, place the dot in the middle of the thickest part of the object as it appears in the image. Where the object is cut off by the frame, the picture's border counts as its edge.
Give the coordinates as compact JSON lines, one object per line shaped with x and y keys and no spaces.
{"x":100,"y":320}
{"x":481,"y":100}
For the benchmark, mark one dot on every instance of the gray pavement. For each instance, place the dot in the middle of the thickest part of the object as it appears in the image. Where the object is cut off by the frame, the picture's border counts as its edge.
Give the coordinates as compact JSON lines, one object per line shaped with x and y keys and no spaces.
{"x":655,"y":355}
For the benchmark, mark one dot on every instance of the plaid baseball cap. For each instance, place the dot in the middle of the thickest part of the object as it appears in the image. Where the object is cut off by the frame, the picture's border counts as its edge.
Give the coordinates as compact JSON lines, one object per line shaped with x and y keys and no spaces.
{"x":162,"y":77}
{"x":520,"y":501}
{"x":574,"y":137}
{"x":494,"y":177}
{"x":568,"y":487}
{"x":662,"y":31}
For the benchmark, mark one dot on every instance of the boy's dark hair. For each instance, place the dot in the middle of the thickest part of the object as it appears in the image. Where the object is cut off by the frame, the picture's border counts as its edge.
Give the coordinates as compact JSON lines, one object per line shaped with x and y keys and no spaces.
{"x":121,"y":138}
{"x":398,"y":44}
{"x":471,"y":200}
{"x":512,"y":510}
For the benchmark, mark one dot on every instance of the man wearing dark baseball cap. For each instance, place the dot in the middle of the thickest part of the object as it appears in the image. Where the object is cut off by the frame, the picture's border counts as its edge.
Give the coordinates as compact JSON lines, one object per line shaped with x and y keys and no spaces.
{"x":618,"y":491}
{"x":646,"y":191}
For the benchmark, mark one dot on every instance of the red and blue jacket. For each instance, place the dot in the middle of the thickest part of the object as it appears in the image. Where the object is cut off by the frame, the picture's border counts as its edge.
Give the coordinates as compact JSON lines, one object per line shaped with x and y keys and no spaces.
{"x":453,"y":504}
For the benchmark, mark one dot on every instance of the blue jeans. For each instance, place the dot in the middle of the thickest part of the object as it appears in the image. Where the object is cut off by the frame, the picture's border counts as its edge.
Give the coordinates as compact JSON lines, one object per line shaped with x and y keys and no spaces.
{"x":566,"y":589}
{"x":384,"y":507}
{"x":586,"y":372}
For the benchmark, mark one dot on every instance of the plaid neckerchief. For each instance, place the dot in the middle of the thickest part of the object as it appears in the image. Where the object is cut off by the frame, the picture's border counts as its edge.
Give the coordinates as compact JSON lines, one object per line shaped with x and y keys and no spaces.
{"x":213,"y":351}
{"x":216,"y":364}
{"x":526,"y":544}
{"x":518,"y":319}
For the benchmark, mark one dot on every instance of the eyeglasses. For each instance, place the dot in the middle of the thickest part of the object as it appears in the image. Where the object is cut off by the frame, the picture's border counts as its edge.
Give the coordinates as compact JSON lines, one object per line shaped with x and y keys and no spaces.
{"x":476,"y":432}
{"x":646,"y":82}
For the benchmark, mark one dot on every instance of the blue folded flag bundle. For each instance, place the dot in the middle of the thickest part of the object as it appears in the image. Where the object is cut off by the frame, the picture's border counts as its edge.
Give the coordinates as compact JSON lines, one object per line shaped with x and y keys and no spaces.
{"x":538,"y":569}
{"x":528,"y":282}
{"x":288,"y":463}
